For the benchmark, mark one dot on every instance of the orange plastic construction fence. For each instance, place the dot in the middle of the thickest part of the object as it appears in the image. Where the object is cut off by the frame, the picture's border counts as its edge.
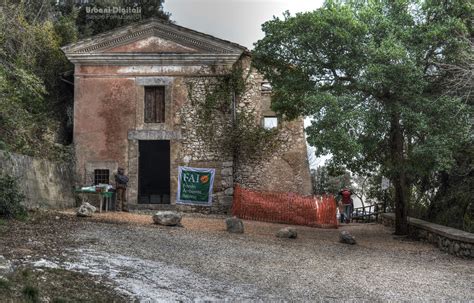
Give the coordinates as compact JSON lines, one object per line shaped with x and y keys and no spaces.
{"x":288,"y":208}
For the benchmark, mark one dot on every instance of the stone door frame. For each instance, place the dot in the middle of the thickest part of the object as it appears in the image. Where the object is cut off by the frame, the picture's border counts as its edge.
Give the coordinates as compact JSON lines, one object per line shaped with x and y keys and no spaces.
{"x":133,"y":163}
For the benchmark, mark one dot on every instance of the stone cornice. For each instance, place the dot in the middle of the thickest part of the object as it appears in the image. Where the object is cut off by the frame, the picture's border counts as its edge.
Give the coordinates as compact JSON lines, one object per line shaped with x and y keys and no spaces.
{"x":152,"y":59}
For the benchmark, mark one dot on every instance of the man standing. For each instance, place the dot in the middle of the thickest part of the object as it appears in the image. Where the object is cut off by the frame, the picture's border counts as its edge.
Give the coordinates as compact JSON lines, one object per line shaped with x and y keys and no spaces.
{"x":121,"y":186}
{"x":347,"y":203}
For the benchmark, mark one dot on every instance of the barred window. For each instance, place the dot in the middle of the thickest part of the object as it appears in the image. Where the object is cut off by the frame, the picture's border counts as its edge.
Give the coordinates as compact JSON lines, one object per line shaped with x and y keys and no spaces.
{"x":155,"y":104}
{"x":101,"y":176}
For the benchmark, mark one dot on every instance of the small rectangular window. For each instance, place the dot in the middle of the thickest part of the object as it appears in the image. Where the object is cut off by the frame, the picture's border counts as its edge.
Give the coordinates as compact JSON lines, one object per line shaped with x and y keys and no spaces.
{"x":154,"y":104}
{"x":265,"y":86}
{"x":270,"y":122}
{"x":101,"y":176}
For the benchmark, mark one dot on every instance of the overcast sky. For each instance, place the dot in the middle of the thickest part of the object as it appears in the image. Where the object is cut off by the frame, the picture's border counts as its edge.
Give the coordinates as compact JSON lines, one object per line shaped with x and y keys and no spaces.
{"x":238,"y":21}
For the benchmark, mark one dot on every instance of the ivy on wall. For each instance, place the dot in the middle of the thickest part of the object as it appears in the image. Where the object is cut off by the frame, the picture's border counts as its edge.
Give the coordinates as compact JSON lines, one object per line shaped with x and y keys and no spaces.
{"x":222,"y":127}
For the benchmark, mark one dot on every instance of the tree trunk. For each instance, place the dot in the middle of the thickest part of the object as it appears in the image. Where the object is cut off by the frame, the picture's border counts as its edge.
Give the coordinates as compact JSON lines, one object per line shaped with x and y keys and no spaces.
{"x":399,"y":177}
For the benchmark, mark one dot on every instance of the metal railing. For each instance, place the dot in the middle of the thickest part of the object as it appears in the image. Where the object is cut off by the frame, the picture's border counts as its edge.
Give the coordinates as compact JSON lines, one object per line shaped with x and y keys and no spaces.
{"x":369,"y":213}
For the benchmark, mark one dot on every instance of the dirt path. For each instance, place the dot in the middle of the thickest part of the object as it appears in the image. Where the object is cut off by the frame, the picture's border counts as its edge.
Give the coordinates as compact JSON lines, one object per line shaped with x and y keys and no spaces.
{"x":203,"y":262}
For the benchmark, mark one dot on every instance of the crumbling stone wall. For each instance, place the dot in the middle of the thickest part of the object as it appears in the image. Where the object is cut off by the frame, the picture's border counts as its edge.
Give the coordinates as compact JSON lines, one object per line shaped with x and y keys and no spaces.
{"x":196,"y":151}
{"x":287,"y":168}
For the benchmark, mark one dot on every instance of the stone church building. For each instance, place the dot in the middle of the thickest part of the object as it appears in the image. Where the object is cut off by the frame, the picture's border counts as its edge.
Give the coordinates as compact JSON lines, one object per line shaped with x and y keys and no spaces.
{"x":135,"y":92}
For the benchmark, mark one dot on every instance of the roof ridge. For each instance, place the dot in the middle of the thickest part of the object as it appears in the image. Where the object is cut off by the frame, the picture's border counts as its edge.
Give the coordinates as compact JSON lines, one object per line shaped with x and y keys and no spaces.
{"x":88,"y":42}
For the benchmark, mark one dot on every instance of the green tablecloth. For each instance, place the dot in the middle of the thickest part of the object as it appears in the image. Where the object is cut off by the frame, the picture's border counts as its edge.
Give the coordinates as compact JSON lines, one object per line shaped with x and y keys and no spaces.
{"x":107,"y":194}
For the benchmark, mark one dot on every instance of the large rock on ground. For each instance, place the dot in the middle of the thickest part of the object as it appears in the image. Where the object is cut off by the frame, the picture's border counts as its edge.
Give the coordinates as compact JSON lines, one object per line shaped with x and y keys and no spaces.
{"x":168,"y":218}
{"x":6,"y":266}
{"x":234,"y":225}
{"x":287,"y":232}
{"x":86,"y":210}
{"x":346,"y":237}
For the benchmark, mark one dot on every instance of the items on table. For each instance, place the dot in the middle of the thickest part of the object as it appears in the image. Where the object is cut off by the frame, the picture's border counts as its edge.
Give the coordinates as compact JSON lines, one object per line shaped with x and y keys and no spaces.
{"x":97,"y":188}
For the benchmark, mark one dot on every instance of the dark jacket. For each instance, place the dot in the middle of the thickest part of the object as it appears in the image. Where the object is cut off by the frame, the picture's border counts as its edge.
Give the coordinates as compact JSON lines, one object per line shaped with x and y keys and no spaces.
{"x":121,"y":181}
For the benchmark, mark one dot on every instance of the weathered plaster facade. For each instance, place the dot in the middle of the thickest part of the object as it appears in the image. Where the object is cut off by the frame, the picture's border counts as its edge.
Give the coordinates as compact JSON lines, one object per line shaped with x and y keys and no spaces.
{"x":111,"y":73}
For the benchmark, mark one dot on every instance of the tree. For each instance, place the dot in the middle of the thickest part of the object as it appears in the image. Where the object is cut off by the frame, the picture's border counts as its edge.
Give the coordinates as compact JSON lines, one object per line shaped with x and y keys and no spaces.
{"x":327,"y":180}
{"x":32,"y":95}
{"x":90,"y":26}
{"x":451,"y":203}
{"x":36,"y":101}
{"x":361,"y":185}
{"x":368,"y":72}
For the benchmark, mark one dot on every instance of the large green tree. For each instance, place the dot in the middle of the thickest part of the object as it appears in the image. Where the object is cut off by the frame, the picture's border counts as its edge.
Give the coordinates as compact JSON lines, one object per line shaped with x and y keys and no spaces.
{"x":369,"y":74}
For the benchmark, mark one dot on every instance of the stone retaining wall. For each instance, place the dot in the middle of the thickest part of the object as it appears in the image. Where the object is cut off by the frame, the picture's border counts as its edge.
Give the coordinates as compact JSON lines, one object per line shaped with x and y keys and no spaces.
{"x":448,"y":239}
{"x":44,"y":183}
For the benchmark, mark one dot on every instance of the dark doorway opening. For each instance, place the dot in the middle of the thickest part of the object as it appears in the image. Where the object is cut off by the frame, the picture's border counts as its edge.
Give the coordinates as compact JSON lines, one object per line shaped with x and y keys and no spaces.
{"x":154,"y":172}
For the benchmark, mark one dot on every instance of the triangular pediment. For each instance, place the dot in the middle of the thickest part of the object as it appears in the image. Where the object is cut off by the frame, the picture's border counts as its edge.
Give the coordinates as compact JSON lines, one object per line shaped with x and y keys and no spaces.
{"x":153,"y":36}
{"x":152,"y":44}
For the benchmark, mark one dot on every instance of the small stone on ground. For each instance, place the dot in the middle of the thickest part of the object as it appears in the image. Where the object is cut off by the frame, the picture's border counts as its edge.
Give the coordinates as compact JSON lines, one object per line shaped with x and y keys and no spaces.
{"x":234,"y":225}
{"x":86,"y":210}
{"x":287,"y":232}
{"x":346,"y":237}
{"x":167,"y":218}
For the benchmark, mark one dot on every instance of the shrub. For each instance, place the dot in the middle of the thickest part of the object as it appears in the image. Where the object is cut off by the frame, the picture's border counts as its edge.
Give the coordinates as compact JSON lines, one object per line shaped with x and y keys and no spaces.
{"x":11,"y":198}
{"x":4,"y":284}
{"x":31,"y":293}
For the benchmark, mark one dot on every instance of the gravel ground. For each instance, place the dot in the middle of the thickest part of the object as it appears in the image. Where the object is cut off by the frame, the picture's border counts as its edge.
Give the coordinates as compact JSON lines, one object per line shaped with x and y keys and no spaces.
{"x":201,"y":262}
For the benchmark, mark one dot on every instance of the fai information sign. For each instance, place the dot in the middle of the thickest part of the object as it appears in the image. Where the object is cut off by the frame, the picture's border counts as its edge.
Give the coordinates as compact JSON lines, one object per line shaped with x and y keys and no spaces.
{"x":195,"y":185}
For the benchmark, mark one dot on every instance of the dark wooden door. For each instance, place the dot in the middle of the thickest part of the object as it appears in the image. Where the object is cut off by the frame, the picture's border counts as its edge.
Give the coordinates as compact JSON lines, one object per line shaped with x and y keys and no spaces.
{"x":154,"y":172}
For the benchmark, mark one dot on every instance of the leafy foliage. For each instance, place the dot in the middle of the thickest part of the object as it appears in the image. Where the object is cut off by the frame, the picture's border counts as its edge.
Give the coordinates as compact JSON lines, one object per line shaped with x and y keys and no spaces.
{"x":452,"y":204}
{"x":88,"y":25}
{"x":249,"y":140}
{"x":11,"y":198}
{"x":36,"y":105}
{"x":32,"y":97}
{"x":327,"y":181}
{"x":369,"y":74}
{"x":31,"y":293}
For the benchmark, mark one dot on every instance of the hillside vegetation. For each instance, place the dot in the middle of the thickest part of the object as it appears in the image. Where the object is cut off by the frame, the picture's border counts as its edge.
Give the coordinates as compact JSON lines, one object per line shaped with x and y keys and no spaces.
{"x":36,"y":83}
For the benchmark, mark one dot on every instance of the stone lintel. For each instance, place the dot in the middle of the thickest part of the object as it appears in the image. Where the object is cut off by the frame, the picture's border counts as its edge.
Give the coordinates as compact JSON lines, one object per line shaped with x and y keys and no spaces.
{"x":154,"y":135}
{"x":154,"y":81}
